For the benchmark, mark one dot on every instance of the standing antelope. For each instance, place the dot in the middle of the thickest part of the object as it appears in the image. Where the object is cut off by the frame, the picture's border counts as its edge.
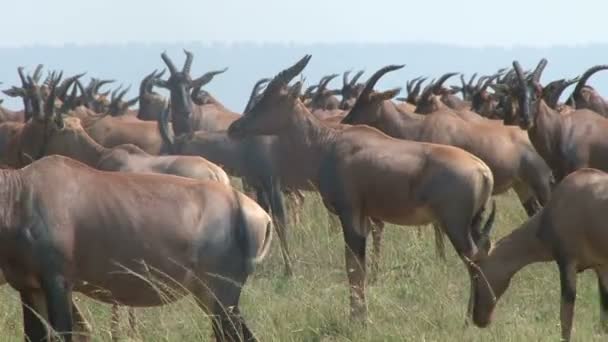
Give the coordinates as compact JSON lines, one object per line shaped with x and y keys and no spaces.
{"x":506,"y":150}
{"x":567,"y":142}
{"x":210,"y":115}
{"x":362,"y":173}
{"x":570,"y":230}
{"x":67,"y":227}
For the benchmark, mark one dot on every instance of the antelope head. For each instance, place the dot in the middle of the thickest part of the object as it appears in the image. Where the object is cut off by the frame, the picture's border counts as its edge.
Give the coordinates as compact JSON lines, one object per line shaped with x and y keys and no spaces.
{"x":30,"y":91}
{"x":92,"y":98}
{"x":268,"y":115}
{"x":525,"y":95}
{"x":413,"y":90}
{"x":151,"y":103}
{"x":324,"y":98}
{"x":179,"y":84}
{"x":117,"y":105}
{"x":256,"y":94}
{"x":482,"y":101}
{"x":585,"y":96}
{"x":467,"y":88}
{"x":36,"y":132}
{"x":368,"y":108}
{"x":350,"y":90}
{"x":426,"y":103}
{"x":553,"y":90}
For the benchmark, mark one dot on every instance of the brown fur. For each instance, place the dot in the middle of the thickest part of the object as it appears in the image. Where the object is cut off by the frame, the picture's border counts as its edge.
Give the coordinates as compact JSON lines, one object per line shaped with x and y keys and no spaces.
{"x":66,"y":226}
{"x":362,"y":173}
{"x":570,"y":230}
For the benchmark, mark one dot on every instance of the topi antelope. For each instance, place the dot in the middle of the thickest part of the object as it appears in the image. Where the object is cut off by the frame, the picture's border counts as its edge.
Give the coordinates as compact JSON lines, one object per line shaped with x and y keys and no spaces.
{"x":570,"y":230}
{"x":67,"y":227}
{"x":361,"y":173}
{"x":566,"y":142}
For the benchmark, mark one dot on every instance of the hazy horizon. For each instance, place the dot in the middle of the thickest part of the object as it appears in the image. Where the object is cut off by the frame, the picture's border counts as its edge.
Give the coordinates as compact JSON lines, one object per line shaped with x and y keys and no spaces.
{"x":123,"y":39}
{"x":471,"y":23}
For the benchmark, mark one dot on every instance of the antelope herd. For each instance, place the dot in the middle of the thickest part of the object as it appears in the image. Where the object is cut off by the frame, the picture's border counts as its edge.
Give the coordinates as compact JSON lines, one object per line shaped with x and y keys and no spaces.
{"x":98,"y":197}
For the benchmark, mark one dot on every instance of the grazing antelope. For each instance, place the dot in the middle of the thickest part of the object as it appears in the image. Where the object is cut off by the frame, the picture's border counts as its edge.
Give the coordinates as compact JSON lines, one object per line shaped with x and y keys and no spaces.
{"x":68,"y":227}
{"x":362,"y":173}
{"x":566,"y":142}
{"x":570,"y":230}
{"x":506,"y":150}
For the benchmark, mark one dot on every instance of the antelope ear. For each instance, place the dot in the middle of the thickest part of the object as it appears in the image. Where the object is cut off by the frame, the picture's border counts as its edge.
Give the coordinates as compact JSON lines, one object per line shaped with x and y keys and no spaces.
{"x":385,"y":95}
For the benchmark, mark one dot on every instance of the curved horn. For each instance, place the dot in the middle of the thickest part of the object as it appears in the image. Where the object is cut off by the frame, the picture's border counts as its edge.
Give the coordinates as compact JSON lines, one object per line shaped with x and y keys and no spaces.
{"x":439,"y":84}
{"x":285,"y":76}
{"x":164,"y":130}
{"x":101,"y":83}
{"x":83,"y":92}
{"x":345,"y":78}
{"x":308,"y":92}
{"x":488,"y":81}
{"x":470,"y":84}
{"x":417,"y":86}
{"x":37,"y":73}
{"x":168,"y":62}
{"x":586,"y":75}
{"x":145,"y":83}
{"x":114,"y":92}
{"x":356,"y":77}
{"x":49,"y":105}
{"x":520,"y":74}
{"x":188,"y":62}
{"x":463,"y":82}
{"x":123,"y":93}
{"x":160,"y":74}
{"x":255,"y":92}
{"x":369,"y":86}
{"x":324,"y":81}
{"x":65,"y":85}
{"x":22,"y":77}
{"x":539,"y":70}
{"x":206,"y":78}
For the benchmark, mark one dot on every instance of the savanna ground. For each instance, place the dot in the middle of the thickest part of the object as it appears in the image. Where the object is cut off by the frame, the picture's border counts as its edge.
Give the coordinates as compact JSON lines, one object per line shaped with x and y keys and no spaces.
{"x":416,"y":298}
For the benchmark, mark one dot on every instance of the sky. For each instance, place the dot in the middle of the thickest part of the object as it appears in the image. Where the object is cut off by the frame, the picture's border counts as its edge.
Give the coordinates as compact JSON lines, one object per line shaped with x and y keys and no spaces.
{"x":464,"y":23}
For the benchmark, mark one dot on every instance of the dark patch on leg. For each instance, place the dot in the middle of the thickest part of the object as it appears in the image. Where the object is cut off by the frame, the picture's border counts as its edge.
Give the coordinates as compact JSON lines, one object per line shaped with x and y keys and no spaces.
{"x":59,"y":304}
{"x":33,"y":327}
{"x":532,"y":206}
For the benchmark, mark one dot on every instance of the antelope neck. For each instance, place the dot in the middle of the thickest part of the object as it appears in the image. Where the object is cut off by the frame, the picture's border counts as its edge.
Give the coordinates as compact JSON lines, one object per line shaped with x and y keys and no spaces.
{"x":520,"y":248}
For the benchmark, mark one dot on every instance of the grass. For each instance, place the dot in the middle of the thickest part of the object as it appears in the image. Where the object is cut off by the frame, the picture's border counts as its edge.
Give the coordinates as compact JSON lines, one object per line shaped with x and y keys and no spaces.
{"x":416,"y":298}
